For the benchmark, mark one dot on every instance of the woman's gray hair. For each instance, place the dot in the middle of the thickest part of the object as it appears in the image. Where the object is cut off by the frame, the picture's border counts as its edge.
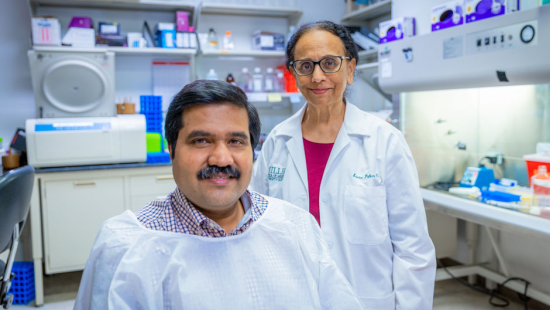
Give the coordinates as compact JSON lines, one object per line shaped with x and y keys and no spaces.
{"x":331,"y":27}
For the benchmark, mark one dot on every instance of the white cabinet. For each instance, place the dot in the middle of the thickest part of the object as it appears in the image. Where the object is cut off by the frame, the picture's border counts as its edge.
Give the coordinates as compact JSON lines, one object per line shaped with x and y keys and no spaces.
{"x":147,"y":188}
{"x":74,"y":210}
{"x":75,"y":204}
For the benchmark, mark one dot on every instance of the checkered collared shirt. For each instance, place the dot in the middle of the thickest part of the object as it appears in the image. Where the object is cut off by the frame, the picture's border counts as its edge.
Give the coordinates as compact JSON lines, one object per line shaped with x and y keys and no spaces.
{"x":177,"y":214}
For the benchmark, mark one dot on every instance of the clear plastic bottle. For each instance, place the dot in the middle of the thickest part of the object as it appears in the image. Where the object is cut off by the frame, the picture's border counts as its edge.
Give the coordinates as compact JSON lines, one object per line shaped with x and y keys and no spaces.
{"x":212,"y":75}
{"x":192,"y":38}
{"x":291,"y":31}
{"x":228,"y":41}
{"x":258,"y":80}
{"x":212,"y":39}
{"x":245,"y":81}
{"x":541,"y":187}
{"x":270,"y":81}
{"x":280,"y":82}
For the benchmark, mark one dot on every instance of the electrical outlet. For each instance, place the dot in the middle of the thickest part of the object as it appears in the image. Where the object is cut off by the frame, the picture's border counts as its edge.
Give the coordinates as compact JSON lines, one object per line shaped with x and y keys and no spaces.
{"x":495,"y":157}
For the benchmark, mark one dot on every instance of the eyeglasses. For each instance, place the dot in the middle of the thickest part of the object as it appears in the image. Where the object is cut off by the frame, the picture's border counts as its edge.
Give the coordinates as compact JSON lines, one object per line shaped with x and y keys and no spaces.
{"x":329,"y":64}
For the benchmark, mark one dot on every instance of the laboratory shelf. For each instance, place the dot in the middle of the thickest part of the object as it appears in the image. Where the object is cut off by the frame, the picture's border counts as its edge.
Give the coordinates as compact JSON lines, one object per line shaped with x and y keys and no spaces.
{"x":264,"y":97}
{"x":147,"y":5}
{"x":383,"y":7}
{"x":118,"y":50}
{"x":368,"y":69}
{"x":250,"y":10}
{"x":369,"y":53}
{"x":241,"y":53}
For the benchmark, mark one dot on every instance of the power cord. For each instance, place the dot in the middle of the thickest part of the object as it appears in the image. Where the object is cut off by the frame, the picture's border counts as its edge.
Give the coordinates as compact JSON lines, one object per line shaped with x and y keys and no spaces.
{"x":493,"y":293}
{"x":442,"y":186}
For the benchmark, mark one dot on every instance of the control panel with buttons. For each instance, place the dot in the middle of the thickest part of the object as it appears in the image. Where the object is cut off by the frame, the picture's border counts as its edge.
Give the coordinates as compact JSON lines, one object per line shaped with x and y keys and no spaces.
{"x":503,"y":38}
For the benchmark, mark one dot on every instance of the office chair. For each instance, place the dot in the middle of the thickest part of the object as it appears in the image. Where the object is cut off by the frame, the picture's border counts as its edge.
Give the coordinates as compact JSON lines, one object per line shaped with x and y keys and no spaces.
{"x":15,"y":197}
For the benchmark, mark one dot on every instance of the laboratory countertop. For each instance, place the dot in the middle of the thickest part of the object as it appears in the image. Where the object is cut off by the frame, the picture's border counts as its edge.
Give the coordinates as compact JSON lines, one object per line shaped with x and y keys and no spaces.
{"x":99,"y":167}
{"x":488,"y":215}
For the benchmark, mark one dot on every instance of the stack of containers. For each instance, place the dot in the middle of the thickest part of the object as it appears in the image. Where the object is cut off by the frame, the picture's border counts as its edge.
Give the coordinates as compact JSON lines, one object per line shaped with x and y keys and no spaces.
{"x":22,"y":286}
{"x":151,"y":107}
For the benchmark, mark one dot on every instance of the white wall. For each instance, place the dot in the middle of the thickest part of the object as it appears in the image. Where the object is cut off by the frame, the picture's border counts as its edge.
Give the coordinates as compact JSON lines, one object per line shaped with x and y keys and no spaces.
{"x":16,"y":96}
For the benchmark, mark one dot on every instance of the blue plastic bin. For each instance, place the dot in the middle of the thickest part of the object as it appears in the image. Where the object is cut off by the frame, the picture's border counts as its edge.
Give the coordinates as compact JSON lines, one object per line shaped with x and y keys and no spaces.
{"x":160,"y":157}
{"x":151,"y":107}
{"x":22,"y":286}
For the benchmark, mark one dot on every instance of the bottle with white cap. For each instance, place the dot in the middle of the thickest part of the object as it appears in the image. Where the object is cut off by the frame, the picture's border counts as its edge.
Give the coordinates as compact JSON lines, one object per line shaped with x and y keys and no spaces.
{"x":258,"y":80}
{"x":270,"y":81}
{"x":212,"y":75}
{"x":291,"y":31}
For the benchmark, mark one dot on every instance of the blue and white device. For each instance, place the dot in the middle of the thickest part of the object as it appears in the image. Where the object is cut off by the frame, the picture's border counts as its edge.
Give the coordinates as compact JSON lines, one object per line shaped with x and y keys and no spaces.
{"x":60,"y":142}
{"x":480,"y":177}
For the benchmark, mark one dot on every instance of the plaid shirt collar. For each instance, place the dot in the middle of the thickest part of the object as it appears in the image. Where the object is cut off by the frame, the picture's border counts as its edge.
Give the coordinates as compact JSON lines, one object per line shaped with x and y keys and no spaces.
{"x":177,"y":214}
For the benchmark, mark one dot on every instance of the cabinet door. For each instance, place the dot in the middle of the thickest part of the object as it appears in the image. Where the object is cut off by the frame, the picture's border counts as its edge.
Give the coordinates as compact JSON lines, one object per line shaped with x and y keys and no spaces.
{"x":157,"y":185}
{"x":147,"y":188}
{"x":73,"y":213}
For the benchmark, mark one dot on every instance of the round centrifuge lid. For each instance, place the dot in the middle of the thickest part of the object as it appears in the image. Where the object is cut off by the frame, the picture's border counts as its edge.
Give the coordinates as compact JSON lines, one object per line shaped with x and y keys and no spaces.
{"x":74,"y":85}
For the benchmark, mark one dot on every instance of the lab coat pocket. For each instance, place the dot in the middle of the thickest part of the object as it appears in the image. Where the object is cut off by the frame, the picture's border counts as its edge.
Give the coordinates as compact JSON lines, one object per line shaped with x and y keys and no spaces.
{"x":365,"y":214}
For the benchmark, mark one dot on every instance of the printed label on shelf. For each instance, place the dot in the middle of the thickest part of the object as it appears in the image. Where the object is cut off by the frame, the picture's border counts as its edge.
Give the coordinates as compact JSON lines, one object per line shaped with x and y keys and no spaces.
{"x":295,"y":98}
{"x":257,"y":97}
{"x":276,"y":97}
{"x":386,"y":69}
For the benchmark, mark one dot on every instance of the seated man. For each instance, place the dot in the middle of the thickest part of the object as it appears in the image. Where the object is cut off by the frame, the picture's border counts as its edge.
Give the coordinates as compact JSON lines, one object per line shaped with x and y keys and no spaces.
{"x":211,"y":244}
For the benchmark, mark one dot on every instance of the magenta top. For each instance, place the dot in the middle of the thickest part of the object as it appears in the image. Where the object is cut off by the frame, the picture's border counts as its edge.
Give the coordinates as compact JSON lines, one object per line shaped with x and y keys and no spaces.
{"x":317,"y":155}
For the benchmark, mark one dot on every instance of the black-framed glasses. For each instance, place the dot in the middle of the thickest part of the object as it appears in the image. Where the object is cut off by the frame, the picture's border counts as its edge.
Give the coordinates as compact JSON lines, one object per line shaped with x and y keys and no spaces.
{"x":329,"y":64}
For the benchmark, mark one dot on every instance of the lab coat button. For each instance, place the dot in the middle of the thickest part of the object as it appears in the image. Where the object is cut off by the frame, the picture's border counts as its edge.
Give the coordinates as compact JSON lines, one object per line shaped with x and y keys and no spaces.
{"x":330,"y":244}
{"x":325,"y":198}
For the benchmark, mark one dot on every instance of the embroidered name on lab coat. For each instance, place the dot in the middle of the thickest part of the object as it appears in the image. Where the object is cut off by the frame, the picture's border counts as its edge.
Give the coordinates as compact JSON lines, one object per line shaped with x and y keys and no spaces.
{"x":365,"y":176}
{"x":276,"y":174}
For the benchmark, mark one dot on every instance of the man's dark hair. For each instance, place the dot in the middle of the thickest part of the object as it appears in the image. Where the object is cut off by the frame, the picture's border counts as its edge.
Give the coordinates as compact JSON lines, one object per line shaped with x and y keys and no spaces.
{"x":202,"y":92}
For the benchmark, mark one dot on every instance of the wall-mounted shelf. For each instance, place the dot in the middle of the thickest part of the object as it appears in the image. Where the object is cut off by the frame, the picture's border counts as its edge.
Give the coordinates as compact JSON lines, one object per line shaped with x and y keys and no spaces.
{"x":241,"y":53}
{"x":148,"y":5}
{"x":369,"y":53}
{"x":368,"y":68}
{"x":372,"y":11}
{"x":118,"y":50}
{"x":250,"y":10}
{"x":264,"y":97}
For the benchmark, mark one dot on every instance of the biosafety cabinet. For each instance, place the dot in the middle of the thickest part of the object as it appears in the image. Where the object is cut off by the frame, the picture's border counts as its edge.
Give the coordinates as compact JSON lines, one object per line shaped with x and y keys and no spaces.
{"x":506,"y":50}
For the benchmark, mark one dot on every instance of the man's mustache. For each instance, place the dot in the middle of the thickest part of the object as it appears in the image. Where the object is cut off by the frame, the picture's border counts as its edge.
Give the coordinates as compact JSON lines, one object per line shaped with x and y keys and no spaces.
{"x":213,"y":172}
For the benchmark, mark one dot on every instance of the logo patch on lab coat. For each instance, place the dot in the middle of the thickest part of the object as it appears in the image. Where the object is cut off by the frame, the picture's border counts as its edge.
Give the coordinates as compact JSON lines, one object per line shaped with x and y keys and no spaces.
{"x":276,"y":174}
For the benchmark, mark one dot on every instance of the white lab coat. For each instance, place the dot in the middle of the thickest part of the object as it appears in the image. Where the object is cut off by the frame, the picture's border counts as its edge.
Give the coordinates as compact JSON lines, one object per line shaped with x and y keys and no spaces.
{"x":372,"y":214}
{"x":280,"y":262}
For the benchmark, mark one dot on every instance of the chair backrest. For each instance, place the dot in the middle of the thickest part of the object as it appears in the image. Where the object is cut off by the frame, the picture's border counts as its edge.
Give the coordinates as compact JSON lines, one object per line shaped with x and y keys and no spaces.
{"x":15,"y":198}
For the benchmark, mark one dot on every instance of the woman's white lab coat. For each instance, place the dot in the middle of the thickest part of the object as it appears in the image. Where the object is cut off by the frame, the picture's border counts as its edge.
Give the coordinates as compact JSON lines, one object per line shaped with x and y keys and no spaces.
{"x":372,"y":214}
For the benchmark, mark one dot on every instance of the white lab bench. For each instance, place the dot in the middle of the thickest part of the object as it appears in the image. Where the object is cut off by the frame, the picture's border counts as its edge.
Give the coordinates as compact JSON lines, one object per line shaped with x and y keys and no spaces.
{"x":69,"y":205}
{"x":490,"y":217}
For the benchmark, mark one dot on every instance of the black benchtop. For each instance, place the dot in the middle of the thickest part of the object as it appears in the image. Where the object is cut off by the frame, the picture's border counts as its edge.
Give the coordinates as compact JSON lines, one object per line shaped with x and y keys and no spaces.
{"x":99,"y":167}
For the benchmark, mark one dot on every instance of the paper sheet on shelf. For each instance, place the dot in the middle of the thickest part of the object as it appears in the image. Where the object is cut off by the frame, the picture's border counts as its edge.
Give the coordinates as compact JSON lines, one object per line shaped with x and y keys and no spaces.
{"x":169,"y":77}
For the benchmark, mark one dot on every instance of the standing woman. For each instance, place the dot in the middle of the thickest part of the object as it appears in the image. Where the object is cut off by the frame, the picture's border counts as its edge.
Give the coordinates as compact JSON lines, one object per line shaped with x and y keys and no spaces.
{"x":354,"y":173}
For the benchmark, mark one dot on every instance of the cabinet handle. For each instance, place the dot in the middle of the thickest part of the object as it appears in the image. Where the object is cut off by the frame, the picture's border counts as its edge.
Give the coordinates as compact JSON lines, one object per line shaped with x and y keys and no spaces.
{"x":165,"y":177}
{"x":84,"y":183}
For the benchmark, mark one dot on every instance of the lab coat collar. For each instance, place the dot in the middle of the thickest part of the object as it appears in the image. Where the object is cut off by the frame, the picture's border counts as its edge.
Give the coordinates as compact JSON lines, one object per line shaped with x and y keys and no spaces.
{"x":354,"y":123}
